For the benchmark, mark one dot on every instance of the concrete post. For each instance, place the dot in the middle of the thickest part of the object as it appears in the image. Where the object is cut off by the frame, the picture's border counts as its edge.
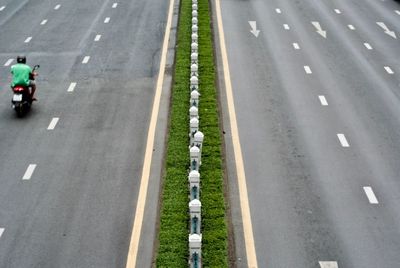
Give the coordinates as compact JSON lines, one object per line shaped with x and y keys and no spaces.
{"x":194,"y":69}
{"x":194,"y":113}
{"x":194,"y":98}
{"x":195,"y":216}
{"x":194,"y":184}
{"x":194,"y":83}
{"x":195,"y":158}
{"x":195,"y":251}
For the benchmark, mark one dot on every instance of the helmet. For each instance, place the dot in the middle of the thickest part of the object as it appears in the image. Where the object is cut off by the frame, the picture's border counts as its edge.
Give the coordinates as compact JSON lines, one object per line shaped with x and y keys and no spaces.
{"x":21,"y":59}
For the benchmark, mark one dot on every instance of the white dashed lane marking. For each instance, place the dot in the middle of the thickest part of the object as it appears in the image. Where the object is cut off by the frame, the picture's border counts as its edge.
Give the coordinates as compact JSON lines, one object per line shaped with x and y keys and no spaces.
{"x":286,"y":27}
{"x":328,"y":264}
{"x":86,"y":59}
{"x":53,"y":123}
{"x":8,"y":62}
{"x":2,"y":8}
{"x":370,"y":194}
{"x":343,"y":140}
{"x":43,"y":22}
{"x":397,"y":12}
{"x":278,"y":11}
{"x":323,"y":100}
{"x":71,"y":87}
{"x":337,"y":11}
{"x":29,"y":172}
{"x":368,"y":46}
{"x":1,"y":232}
{"x":296,"y":46}
{"x":115,"y":5}
{"x":307,"y":69}
{"x":57,"y":7}
{"x":107,"y":20}
{"x":27,"y":40}
{"x":97,"y":38}
{"x":351,"y":27}
{"x":389,"y":70}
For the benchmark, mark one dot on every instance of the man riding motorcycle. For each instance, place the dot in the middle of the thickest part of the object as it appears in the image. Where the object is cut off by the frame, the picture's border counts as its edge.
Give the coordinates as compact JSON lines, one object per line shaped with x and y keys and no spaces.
{"x":22,"y":75}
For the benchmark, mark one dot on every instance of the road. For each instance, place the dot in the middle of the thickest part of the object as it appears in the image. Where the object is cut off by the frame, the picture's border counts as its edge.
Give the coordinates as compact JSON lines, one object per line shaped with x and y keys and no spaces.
{"x":318,"y":116}
{"x":70,"y":170}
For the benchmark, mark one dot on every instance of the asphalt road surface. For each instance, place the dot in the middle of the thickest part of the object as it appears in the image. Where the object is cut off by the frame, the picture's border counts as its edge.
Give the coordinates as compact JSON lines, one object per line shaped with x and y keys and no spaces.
{"x":70,"y":170}
{"x":317,"y":98}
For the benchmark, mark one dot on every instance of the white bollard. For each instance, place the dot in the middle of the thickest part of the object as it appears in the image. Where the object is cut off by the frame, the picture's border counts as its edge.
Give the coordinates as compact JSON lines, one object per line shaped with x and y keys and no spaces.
{"x":195,"y":216}
{"x":194,"y":83}
{"x":195,"y":48}
{"x":194,"y":127}
{"x":194,"y":1}
{"x":194,"y":113}
{"x":195,"y":251}
{"x":194,"y":57}
{"x":198,"y":139}
{"x":195,"y":38}
{"x":194,"y":21}
{"x":194,"y":98}
{"x":195,"y":158}
{"x":194,"y":70}
{"x":194,"y":184}
{"x":194,"y":14}
{"x":194,"y":7}
{"x":195,"y":29}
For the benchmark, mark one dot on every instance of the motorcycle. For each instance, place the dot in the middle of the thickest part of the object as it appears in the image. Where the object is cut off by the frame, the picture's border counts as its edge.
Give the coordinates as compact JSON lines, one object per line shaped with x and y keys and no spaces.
{"x":22,"y":97}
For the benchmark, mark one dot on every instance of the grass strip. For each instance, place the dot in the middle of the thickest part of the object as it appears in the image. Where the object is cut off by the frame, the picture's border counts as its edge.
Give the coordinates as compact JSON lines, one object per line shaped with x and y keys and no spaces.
{"x":174,"y":217}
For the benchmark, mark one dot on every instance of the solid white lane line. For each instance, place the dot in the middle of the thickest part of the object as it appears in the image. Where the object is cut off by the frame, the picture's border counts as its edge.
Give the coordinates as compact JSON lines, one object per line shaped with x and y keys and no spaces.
{"x":286,"y":27}
{"x":57,"y":7}
{"x":107,"y":20}
{"x":370,"y":194}
{"x":389,"y":70}
{"x":351,"y":27}
{"x":343,"y":140}
{"x":307,"y":69}
{"x":71,"y":87}
{"x":2,"y":8}
{"x":239,"y":163}
{"x":296,"y":46}
{"x":323,"y":100}
{"x":8,"y":62}
{"x":43,"y":22}
{"x":147,"y":162}
{"x":338,"y":11}
{"x":328,"y":264}
{"x":397,"y":12}
{"x":368,"y":46}
{"x":86,"y":59}
{"x":29,"y":171}
{"x":115,"y":5}
{"x":97,"y":38}
{"x":53,"y":123}
{"x":278,"y":11}
{"x":27,"y":40}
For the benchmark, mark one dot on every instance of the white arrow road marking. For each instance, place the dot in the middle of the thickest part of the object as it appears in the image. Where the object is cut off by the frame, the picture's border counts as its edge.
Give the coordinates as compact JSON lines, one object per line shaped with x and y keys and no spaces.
{"x":370,"y":194}
{"x":343,"y":140}
{"x":328,"y":264}
{"x":71,"y":87}
{"x":386,"y":29}
{"x":97,"y":38}
{"x":253,"y":25}
{"x":86,"y":59}
{"x":115,"y":5}
{"x":307,"y":69}
{"x":107,"y":20}
{"x":323,"y":100}
{"x":278,"y":11}
{"x":27,"y":40}
{"x":2,"y":8}
{"x":29,"y":171}
{"x":319,"y":29}
{"x":389,"y":70}
{"x":351,"y":27}
{"x":53,"y":123}
{"x":296,"y":46}
{"x":338,"y":11}
{"x":368,"y":46}
{"x":8,"y":62}
{"x":286,"y":27}
{"x":43,"y":22}
{"x":57,"y":7}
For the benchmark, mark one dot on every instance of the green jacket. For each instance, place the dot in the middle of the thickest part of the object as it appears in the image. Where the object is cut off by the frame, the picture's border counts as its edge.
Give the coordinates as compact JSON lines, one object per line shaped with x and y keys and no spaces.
{"x":20,"y":74}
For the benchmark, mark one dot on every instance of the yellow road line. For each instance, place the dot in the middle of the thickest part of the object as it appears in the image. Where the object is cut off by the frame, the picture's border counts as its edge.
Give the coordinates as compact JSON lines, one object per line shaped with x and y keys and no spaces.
{"x":241,"y":176}
{"x":144,"y":182}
